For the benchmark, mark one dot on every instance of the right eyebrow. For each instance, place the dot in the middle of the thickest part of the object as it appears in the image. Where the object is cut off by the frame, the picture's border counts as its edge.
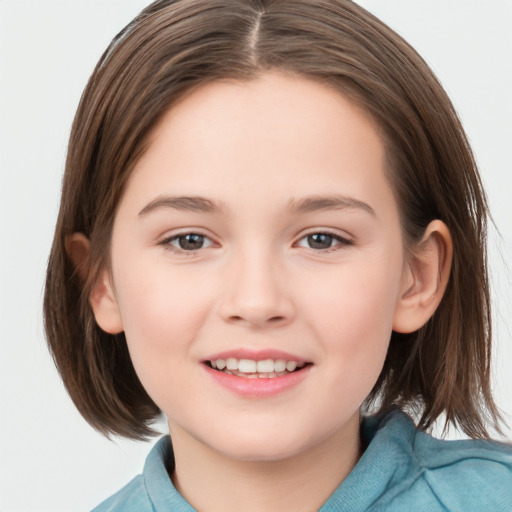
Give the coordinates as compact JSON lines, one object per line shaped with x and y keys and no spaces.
{"x":187,"y":203}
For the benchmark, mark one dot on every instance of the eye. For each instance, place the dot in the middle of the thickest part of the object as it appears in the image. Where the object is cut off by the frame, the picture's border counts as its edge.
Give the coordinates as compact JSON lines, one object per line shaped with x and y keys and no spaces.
{"x":323,"y":241}
{"x":187,"y":242}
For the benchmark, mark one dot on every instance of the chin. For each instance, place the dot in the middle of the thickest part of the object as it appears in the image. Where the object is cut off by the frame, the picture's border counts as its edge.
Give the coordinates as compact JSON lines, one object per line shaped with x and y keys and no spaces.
{"x":262,"y":448}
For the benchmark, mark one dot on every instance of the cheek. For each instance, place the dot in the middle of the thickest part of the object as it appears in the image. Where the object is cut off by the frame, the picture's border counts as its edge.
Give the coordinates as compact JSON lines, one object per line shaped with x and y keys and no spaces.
{"x":356,"y":329}
{"x":156,"y":297}
{"x":160,"y":321}
{"x":163,"y":312}
{"x":354,"y":317}
{"x":363,"y":313}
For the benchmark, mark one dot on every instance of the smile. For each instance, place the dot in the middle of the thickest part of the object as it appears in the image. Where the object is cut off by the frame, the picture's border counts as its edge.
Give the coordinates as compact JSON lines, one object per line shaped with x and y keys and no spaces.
{"x":252,"y":369}
{"x":257,"y":374}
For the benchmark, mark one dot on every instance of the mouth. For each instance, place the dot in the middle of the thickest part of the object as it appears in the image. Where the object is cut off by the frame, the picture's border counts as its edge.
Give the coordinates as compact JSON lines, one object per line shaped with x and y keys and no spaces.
{"x":257,"y":369}
{"x":257,"y":374}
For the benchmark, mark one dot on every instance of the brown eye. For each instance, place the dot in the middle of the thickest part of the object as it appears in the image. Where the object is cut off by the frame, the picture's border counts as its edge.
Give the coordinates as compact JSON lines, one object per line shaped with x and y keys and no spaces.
{"x":323,"y":241}
{"x":320,"y":241}
{"x":188,"y":242}
{"x":191,"y":242}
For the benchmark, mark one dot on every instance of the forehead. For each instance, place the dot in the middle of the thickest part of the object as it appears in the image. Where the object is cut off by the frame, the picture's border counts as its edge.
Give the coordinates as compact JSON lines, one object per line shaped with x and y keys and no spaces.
{"x":277,"y":133}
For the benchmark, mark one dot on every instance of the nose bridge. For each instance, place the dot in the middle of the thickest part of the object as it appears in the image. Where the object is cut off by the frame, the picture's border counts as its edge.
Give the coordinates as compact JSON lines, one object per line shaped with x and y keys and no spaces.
{"x":257,"y":293}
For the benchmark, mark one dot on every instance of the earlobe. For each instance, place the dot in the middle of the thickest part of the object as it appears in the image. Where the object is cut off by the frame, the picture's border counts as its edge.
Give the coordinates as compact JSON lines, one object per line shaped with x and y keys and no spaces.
{"x":104,"y":304}
{"x":425,"y":278}
{"x":101,"y":298}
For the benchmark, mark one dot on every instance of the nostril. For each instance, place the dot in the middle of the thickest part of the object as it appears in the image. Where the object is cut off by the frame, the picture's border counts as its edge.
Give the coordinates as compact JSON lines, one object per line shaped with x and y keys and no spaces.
{"x":257,"y":320}
{"x":276,"y":319}
{"x":255,"y":312}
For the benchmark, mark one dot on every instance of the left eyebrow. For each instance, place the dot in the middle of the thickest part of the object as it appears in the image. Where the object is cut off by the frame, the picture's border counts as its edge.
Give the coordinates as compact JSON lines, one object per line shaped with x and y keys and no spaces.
{"x":187,"y":203}
{"x":331,"y":202}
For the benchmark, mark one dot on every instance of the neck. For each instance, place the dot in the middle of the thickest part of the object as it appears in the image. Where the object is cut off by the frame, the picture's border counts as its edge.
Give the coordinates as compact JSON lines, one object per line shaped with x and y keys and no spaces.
{"x":302,"y":482}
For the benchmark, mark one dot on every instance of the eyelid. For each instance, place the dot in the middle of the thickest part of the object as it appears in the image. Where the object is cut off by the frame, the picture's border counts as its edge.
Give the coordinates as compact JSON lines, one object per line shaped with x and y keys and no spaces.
{"x":343,"y":239}
{"x":165,"y":241}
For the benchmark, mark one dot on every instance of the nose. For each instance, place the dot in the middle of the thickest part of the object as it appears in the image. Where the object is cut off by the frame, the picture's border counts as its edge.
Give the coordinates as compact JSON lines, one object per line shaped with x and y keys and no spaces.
{"x":257,"y":292}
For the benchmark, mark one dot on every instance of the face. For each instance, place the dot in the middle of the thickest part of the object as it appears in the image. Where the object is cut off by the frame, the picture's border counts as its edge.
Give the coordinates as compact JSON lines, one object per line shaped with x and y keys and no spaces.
{"x":259,"y":232}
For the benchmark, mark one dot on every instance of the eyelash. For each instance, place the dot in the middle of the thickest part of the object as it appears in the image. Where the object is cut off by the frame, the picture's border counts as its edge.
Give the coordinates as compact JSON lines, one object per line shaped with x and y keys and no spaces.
{"x":167,"y":243}
{"x":342,"y":242}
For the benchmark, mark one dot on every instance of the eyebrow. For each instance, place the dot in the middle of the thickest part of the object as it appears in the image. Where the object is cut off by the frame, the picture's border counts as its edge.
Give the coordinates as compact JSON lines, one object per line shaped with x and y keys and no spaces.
{"x":305,"y":205}
{"x":331,"y":202}
{"x":186,"y":203}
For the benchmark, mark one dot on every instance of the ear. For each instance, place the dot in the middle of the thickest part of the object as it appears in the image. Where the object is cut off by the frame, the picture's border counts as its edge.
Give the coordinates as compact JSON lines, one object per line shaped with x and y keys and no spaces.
{"x":101,"y":298}
{"x":425,"y":278}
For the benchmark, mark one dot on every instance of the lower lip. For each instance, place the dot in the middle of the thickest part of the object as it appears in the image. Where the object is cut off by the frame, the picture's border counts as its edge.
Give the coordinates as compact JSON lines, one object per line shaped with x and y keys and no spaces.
{"x":258,"y":388}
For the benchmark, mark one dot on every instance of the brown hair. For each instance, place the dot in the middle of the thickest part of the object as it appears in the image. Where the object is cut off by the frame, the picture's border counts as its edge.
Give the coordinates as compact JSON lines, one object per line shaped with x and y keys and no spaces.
{"x":174,"y":46}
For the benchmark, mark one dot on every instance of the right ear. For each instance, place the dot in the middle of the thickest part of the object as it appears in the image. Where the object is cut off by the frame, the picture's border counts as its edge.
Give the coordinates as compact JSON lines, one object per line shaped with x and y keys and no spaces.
{"x":101,"y":298}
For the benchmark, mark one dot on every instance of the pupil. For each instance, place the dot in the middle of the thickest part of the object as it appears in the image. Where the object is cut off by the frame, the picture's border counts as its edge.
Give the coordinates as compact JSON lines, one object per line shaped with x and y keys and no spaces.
{"x":320,"y":241}
{"x":191,"y":242}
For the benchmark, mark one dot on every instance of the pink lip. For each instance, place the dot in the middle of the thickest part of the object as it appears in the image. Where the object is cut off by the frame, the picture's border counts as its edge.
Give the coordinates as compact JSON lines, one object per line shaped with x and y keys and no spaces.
{"x":256,"y":387}
{"x":255,"y":355}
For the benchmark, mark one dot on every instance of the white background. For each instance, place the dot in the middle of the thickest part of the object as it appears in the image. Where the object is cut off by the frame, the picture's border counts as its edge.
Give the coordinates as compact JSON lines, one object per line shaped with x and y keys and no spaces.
{"x":50,"y":459}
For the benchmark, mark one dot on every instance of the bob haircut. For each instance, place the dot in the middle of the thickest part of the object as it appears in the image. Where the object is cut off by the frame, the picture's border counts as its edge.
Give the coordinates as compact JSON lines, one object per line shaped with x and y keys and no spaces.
{"x":176,"y":46}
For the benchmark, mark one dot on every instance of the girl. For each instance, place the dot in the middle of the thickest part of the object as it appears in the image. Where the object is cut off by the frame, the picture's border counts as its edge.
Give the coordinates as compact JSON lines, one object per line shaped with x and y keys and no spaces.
{"x":272,"y":225}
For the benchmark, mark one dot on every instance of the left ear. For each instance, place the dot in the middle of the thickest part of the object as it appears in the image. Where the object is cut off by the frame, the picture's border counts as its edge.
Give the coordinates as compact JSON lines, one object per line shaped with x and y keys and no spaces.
{"x":425,"y":278}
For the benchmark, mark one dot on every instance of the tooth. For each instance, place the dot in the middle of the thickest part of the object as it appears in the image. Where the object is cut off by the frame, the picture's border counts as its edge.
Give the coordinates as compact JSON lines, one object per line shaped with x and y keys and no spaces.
{"x":291,"y":365}
{"x":265,"y":366}
{"x":280,"y":365}
{"x":246,"y":366}
{"x":232,"y":363}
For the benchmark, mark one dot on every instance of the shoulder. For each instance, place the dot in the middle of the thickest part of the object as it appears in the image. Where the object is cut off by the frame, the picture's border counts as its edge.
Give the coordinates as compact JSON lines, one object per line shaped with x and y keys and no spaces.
{"x":140,"y":494}
{"x":153,"y":490}
{"x":131,"y":498}
{"x":464,"y":475}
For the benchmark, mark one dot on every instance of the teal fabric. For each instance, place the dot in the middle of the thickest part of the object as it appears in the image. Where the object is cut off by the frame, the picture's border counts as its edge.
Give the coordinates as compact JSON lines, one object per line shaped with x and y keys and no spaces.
{"x":401,"y":470}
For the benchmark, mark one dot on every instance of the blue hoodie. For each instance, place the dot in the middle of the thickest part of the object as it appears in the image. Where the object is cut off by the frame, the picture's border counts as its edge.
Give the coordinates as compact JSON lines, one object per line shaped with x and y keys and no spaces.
{"x":401,"y":470}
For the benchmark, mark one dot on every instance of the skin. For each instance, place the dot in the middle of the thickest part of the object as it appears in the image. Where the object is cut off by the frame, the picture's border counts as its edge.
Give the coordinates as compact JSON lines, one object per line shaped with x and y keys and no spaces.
{"x":257,"y":149}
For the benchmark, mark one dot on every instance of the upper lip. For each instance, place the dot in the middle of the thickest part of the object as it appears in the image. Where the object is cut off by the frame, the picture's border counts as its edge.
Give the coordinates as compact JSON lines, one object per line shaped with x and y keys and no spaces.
{"x":256,"y":355}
